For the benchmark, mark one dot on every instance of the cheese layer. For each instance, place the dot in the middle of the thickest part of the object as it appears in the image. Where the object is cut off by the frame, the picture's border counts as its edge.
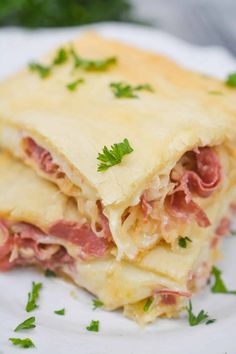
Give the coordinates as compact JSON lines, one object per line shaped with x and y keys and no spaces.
{"x":25,"y":197}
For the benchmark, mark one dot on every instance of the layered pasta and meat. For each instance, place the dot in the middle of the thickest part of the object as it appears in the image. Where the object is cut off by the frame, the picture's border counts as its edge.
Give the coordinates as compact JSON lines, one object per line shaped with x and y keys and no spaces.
{"x":40,"y":226}
{"x":124,"y":166}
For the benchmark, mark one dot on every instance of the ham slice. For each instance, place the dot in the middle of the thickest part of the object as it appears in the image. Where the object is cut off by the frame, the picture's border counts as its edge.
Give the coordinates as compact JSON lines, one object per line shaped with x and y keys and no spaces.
{"x":181,"y":209}
{"x":41,"y":157}
{"x":205,"y":176}
{"x":169,"y":297}
{"x":81,"y":235}
{"x":26,"y":243}
{"x":172,"y":292}
{"x":224,"y":227}
{"x":198,"y":173}
{"x":202,"y":180}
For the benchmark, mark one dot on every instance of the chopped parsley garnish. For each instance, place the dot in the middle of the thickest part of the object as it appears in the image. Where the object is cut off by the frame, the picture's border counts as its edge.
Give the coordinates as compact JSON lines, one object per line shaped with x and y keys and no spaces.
{"x":217,"y":93}
{"x":202,"y":317}
{"x":123,"y":90}
{"x":92,"y":65}
{"x":60,"y":312}
{"x":183,"y":241}
{"x":219,"y":285}
{"x":33,"y":297}
{"x":148,"y":304}
{"x":233,"y":232}
{"x":231,"y":80}
{"x":94,"y":326}
{"x":72,"y":86}
{"x":23,"y":343}
{"x":43,"y":70}
{"x":114,"y":155}
{"x":27,"y":324}
{"x":61,"y":57}
{"x":213,"y":320}
{"x":97,"y":303}
{"x":146,"y":87}
{"x":50,"y":273}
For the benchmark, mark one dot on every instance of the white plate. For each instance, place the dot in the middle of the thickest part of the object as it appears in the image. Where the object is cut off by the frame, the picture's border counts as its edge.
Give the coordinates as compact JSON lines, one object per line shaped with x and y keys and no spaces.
{"x":68,"y":334}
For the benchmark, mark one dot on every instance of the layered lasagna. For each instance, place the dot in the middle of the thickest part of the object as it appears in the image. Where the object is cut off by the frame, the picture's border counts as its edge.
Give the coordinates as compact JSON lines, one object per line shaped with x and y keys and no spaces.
{"x":117,"y":232}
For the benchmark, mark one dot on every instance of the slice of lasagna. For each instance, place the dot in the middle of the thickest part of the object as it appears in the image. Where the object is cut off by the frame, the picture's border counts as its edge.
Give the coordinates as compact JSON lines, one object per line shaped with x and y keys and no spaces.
{"x":40,"y":226}
{"x":62,"y":116}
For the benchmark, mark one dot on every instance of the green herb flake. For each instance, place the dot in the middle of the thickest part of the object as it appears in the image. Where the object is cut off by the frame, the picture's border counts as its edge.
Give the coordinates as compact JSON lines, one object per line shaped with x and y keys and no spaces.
{"x":148,"y":304}
{"x":231,"y":80}
{"x":146,"y":87}
{"x":233,"y":232}
{"x":97,"y":303}
{"x":213,"y":320}
{"x":33,"y":297}
{"x":123,"y":90}
{"x":92,"y":65}
{"x":60,"y":312}
{"x":183,"y":241}
{"x":202,"y":317}
{"x":216,"y":93}
{"x":94,"y":326}
{"x":61,"y":57}
{"x":114,"y":155}
{"x":27,"y":324}
{"x":72,"y":86}
{"x":43,"y":70}
{"x":50,"y":273}
{"x":22,"y":343}
{"x":219,"y":285}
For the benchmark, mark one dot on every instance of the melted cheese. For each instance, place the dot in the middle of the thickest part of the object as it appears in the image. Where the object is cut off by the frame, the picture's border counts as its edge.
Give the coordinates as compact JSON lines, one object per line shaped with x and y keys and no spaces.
{"x":28,"y":198}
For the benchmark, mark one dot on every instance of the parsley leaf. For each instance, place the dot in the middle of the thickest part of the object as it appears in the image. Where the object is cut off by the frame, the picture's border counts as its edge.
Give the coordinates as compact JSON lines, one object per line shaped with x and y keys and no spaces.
{"x":218,"y":93}
{"x":113,"y":156}
{"x":92,"y":65}
{"x":23,"y":343}
{"x":213,"y":320}
{"x":61,"y":57}
{"x":219,"y":286}
{"x":60,"y":312}
{"x":97,"y":303}
{"x":123,"y":90}
{"x":33,"y":297}
{"x":183,"y":241}
{"x":146,"y":87}
{"x":72,"y":86}
{"x":43,"y":70}
{"x":147,"y":304}
{"x":50,"y":273}
{"x":200,"y":318}
{"x":27,"y":324}
{"x":233,"y":232}
{"x":94,"y":326}
{"x":231,"y":80}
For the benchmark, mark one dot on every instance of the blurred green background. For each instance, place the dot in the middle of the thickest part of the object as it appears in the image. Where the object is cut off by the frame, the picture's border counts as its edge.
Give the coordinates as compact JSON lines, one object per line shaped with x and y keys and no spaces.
{"x":58,"y":13}
{"x":204,"y":22}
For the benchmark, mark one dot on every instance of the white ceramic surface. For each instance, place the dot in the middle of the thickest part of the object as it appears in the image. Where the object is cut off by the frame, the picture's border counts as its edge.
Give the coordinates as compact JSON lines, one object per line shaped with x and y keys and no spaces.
{"x":68,"y":334}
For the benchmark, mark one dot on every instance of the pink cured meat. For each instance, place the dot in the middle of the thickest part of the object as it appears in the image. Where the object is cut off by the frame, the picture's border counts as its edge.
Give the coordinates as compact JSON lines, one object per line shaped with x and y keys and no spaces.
{"x":41,"y":156}
{"x":81,"y":235}
{"x":172,"y":292}
{"x":202,"y":181}
{"x":200,"y":178}
{"x":180,"y":209}
{"x":205,"y":177}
